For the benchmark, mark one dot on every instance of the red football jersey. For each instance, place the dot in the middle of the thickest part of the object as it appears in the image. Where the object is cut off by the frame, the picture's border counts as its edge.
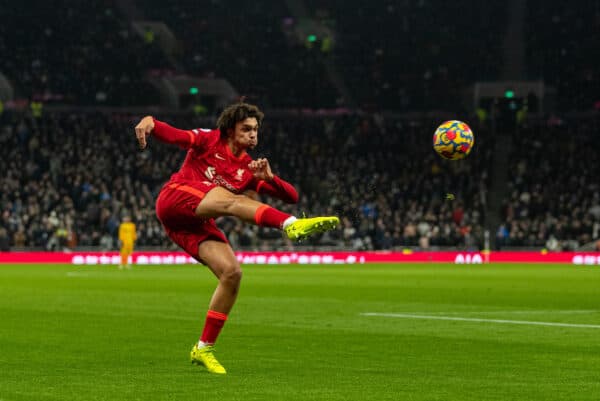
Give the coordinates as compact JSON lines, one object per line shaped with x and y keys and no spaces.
{"x":209,"y":158}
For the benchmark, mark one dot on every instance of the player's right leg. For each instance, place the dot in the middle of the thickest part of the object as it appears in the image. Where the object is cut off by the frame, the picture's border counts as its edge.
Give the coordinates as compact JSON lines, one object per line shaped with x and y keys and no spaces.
{"x":221,"y":260}
{"x":206,"y":243}
{"x":202,"y":239}
{"x":221,"y":202}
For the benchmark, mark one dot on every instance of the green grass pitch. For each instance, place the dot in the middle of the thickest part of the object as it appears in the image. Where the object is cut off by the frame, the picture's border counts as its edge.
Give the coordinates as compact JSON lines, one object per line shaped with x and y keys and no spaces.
{"x":300,"y":333}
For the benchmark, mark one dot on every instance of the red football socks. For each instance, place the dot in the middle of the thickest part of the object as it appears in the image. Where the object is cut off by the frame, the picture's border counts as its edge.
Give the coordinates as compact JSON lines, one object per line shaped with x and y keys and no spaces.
{"x":212,"y":327}
{"x":267,"y":216}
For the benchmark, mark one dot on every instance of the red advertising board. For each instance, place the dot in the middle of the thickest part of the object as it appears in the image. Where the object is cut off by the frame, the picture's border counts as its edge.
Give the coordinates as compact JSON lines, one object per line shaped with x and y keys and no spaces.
{"x":457,"y":257}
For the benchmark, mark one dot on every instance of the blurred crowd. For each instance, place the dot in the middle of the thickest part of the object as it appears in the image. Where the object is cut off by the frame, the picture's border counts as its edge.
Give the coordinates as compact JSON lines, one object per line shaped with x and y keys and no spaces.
{"x":554,"y":193}
{"x":69,"y":178}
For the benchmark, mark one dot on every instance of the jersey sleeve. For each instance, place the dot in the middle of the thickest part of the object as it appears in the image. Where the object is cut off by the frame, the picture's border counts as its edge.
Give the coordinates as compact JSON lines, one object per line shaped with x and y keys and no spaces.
{"x":186,"y":139}
{"x":278,"y":188}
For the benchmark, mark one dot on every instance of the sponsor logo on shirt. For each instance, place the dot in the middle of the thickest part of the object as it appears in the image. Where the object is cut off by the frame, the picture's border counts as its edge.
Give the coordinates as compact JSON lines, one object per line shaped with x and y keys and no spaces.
{"x":211,"y":174}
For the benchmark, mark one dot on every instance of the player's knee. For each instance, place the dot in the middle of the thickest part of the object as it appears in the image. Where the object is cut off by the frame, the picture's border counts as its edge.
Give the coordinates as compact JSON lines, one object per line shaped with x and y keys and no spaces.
{"x":232,"y":275}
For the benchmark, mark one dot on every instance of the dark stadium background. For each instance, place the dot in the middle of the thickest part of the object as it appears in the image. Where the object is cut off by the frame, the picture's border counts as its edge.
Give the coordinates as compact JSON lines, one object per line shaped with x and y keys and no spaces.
{"x":352,"y":91}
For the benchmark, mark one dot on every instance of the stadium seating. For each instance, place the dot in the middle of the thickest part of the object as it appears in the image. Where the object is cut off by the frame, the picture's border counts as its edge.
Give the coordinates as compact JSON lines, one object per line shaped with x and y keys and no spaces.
{"x":70,"y":175}
{"x":83,"y":53}
{"x":562,"y":50}
{"x":385,"y":53}
{"x":413,"y":55}
{"x":251,"y":49}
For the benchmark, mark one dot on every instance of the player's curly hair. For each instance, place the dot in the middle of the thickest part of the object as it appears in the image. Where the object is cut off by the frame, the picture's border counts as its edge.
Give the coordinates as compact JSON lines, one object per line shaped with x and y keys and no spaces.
{"x":235,"y":113}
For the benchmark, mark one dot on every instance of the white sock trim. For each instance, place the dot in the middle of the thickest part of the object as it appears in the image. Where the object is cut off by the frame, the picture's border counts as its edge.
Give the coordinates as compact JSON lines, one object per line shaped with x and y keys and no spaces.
{"x":288,"y":221}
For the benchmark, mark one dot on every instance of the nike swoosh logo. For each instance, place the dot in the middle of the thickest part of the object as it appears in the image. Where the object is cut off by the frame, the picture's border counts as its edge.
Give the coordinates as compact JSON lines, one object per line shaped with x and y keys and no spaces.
{"x":218,"y":156}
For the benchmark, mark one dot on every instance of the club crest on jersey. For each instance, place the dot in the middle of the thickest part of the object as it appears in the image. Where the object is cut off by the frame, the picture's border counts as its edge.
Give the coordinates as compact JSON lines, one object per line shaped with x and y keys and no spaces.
{"x":210,"y":172}
{"x":240,"y":174}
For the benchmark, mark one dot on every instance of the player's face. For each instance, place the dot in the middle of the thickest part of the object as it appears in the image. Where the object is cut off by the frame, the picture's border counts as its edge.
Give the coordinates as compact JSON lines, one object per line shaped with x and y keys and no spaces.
{"x":246,"y":133}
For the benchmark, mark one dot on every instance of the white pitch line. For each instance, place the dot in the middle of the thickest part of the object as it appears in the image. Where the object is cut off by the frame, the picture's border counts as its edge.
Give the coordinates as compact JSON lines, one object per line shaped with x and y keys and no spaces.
{"x":468,"y":319}
{"x":516,"y":312}
{"x":543,"y":312}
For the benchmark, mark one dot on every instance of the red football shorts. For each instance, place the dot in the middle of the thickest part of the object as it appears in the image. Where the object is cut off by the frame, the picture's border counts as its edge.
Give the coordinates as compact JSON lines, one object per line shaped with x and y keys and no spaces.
{"x":175,"y":208}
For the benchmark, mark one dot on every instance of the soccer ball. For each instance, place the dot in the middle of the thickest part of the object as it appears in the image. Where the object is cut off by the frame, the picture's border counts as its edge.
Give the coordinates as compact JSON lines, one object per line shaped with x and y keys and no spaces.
{"x":453,"y":140}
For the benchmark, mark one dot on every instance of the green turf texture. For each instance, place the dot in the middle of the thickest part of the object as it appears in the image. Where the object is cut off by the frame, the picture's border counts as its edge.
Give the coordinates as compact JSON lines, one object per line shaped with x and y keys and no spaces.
{"x":297,"y":333}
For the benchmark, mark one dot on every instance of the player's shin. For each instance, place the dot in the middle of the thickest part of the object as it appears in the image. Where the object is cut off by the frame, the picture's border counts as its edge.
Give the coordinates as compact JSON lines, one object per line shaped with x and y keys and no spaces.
{"x":267,"y":216}
{"x":212,"y":327}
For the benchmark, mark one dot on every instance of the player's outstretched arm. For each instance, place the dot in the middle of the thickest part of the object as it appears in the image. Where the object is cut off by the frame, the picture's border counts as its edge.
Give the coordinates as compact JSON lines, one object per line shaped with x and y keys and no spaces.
{"x":163,"y":132}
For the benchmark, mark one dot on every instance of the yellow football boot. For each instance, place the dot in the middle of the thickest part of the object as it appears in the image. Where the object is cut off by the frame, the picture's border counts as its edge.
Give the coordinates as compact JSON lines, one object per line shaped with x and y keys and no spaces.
{"x":204,"y":356}
{"x":303,"y":228}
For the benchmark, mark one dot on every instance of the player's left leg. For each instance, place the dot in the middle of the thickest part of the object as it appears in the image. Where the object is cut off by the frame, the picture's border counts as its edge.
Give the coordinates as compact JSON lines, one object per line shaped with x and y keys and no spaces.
{"x":221,"y":260}
{"x":221,"y":202}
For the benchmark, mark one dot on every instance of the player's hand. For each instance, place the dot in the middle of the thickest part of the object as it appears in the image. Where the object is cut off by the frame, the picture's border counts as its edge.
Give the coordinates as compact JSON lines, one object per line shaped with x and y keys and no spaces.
{"x":143,"y":129}
{"x":261,"y":169}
